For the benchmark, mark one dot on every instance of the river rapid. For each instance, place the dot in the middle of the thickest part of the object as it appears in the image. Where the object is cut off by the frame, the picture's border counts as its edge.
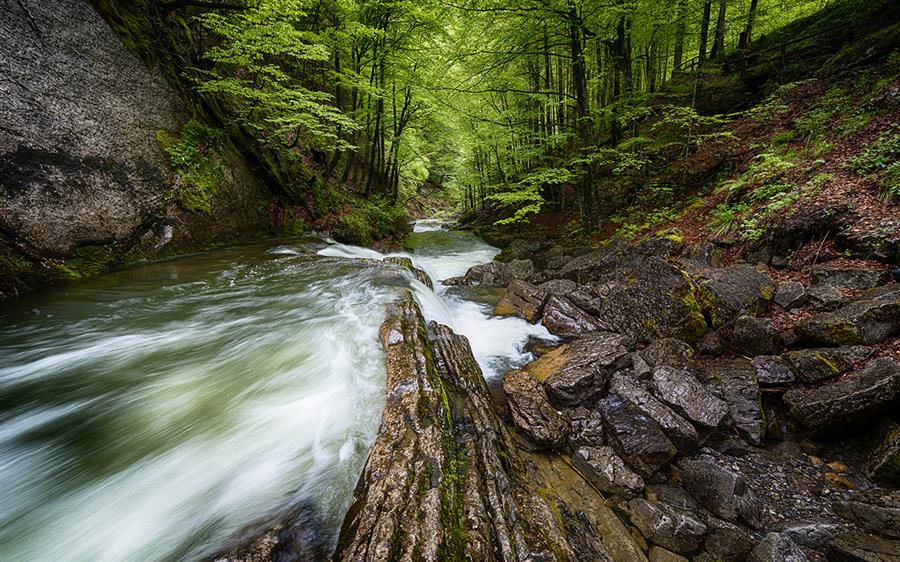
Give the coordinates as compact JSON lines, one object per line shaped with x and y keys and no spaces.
{"x":163,"y":411}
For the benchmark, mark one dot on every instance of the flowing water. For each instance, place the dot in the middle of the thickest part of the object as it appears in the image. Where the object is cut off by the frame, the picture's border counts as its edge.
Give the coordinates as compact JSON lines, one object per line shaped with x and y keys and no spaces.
{"x":156,"y":412}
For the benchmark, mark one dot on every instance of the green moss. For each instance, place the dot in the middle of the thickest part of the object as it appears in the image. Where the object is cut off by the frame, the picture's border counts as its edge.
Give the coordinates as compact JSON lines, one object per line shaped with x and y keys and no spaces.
{"x":197,"y":162}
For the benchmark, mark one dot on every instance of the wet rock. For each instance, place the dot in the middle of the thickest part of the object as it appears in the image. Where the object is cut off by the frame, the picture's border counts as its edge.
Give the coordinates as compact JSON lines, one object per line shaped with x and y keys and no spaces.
{"x":727,"y":292}
{"x":727,"y":542}
{"x":677,"y":429}
{"x":876,"y":511}
{"x":883,"y":465}
{"x":790,"y":295}
{"x":854,"y":545}
{"x":636,"y":437}
{"x":494,"y":274}
{"x":563,"y":318}
{"x":812,"y":365}
{"x":560,"y":287}
{"x":670,"y":352}
{"x":872,"y":317}
{"x":814,"y":534}
{"x":603,"y":467}
{"x":407,"y":263}
{"x":824,"y":297}
{"x":753,"y":336}
{"x":683,"y":391}
{"x":523,"y":300}
{"x":705,"y":254}
{"x":581,"y":369}
{"x":777,"y":547}
{"x":658,"y":554}
{"x":849,"y":277}
{"x":672,"y":496}
{"x":850,"y":401}
{"x":586,"y":428}
{"x":771,"y":370}
{"x":738,"y":387}
{"x":720,"y":490}
{"x":665,"y":526}
{"x":532,"y":412}
{"x":520,"y":249}
{"x":711,"y":344}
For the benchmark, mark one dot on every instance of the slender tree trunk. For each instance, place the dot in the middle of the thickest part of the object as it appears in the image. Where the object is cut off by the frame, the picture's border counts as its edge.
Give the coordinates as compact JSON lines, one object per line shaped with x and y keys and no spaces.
{"x":747,"y":35}
{"x":718,"y":48}
{"x":704,"y":31}
{"x":680,"y":31}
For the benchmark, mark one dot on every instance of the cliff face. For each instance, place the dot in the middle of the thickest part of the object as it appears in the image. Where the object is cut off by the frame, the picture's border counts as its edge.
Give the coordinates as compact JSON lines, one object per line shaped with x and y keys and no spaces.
{"x":84,"y":182}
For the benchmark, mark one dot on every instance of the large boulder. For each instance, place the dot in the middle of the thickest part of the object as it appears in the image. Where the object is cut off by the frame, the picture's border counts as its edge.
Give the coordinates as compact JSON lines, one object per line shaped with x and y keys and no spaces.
{"x":728,"y":292}
{"x":689,"y":396}
{"x":669,"y":352}
{"x":677,"y":429}
{"x":636,"y":437}
{"x":666,"y":526}
{"x":883,"y":465}
{"x":855,"y":545}
{"x":532,"y":412}
{"x":605,"y":470}
{"x":738,"y":386}
{"x":813,"y":365}
{"x":850,"y":401}
{"x":790,"y":295}
{"x":777,"y":547}
{"x":849,"y":277}
{"x":580,"y":370}
{"x":872,"y":317}
{"x":876,"y":511}
{"x":753,"y":336}
{"x":494,"y":274}
{"x":563,"y":318}
{"x":720,"y":490}
{"x":521,"y":299}
{"x":586,"y":427}
{"x":726,"y":541}
{"x":824,"y":297}
{"x":771,"y":370}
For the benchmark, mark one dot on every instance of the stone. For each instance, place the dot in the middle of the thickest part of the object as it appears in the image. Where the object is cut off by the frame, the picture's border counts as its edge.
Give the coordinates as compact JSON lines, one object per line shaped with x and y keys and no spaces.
{"x":814,"y":534}
{"x":636,"y":437}
{"x":580,"y":370}
{"x":727,"y":542}
{"x":876,"y":511}
{"x":407,"y":263}
{"x":665,"y":526}
{"x":870,"y":318}
{"x":683,"y":391}
{"x":790,"y":295}
{"x":560,"y":287}
{"x":777,"y":547}
{"x":855,"y":545}
{"x":532,"y":412}
{"x":738,"y":386}
{"x":494,"y":274}
{"x":728,"y":292}
{"x":771,"y":370}
{"x":658,"y":554}
{"x":813,"y":365}
{"x":670,"y":352}
{"x":849,"y":277}
{"x":677,"y":429}
{"x":605,"y":470}
{"x":562,"y":318}
{"x":753,"y":336}
{"x":839,"y":481}
{"x":586,"y":428}
{"x":850,"y":401}
{"x":705,"y":254}
{"x":883,"y":465}
{"x":720,"y":490}
{"x":523,"y":300}
{"x":824,"y":297}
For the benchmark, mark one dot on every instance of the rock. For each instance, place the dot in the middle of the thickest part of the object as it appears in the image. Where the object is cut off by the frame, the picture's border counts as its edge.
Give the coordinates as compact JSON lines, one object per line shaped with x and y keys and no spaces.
{"x":581,"y":369}
{"x":670,"y":352}
{"x":560,"y":287}
{"x":849,"y":277}
{"x":523,"y":300}
{"x":876,"y":511}
{"x":677,"y":429}
{"x":636,"y":437}
{"x":682,"y":390}
{"x":771,"y":370}
{"x":531,"y":411}
{"x":603,"y":468}
{"x":705,"y":254}
{"x":753,"y":336}
{"x":563,"y":318}
{"x":854,"y":545}
{"x":870,"y":318}
{"x":672,"y":496}
{"x":813,"y":365}
{"x":814,"y":534}
{"x":720,"y":490}
{"x":883,"y":465}
{"x":494,"y":274}
{"x":520,"y":249}
{"x":727,"y":542}
{"x":741,"y":392}
{"x":777,"y":547}
{"x":730,"y":291}
{"x":790,"y":295}
{"x":407,"y":263}
{"x":658,"y":554}
{"x":586,"y":428}
{"x":851,"y":401}
{"x":711,"y":344}
{"x":665,"y":526}
{"x":824,"y":297}
{"x":839,"y":482}
{"x":649,"y":298}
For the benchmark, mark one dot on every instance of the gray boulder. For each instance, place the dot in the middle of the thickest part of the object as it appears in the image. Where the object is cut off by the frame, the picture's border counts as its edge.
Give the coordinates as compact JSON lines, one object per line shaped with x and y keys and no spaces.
{"x":876,"y":511}
{"x":523,"y":300}
{"x":720,"y":490}
{"x":849,"y":277}
{"x":581,"y":370}
{"x":730,"y":291}
{"x":777,"y":547}
{"x":636,"y":437}
{"x":603,"y":467}
{"x":771,"y":370}
{"x":790,"y":295}
{"x":737,"y":384}
{"x":563,"y":318}
{"x":586,"y":428}
{"x":883,"y":465}
{"x":855,"y":545}
{"x":850,"y":401}
{"x":532,"y":412}
{"x":824,"y":297}
{"x":494,"y":274}
{"x":683,"y":391}
{"x":666,"y":526}
{"x":813,"y":365}
{"x":753,"y":336}
{"x":676,"y":428}
{"x":670,"y":352}
{"x":727,"y":542}
{"x":872,"y":317}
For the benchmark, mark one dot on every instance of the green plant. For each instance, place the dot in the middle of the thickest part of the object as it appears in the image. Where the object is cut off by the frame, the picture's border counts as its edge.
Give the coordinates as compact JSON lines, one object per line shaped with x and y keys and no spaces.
{"x":195,"y":158}
{"x":881,"y":160}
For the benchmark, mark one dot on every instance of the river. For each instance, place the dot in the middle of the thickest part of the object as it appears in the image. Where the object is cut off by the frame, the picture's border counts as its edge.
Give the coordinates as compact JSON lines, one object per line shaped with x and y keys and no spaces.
{"x":159,"y":412}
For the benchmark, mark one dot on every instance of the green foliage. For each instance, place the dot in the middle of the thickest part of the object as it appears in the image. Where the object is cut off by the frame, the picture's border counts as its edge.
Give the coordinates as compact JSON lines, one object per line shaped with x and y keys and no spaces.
{"x":527,"y":198}
{"x":882,"y":160}
{"x":369,"y":220}
{"x":195,"y":158}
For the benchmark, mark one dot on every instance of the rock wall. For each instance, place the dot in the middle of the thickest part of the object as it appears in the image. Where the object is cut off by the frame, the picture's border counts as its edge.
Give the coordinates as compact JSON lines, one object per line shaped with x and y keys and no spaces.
{"x":81,"y":173}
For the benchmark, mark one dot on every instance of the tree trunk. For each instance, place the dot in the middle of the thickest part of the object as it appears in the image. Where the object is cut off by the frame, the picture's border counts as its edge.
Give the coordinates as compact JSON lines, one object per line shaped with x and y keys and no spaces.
{"x":704,"y":31}
{"x":748,"y":31}
{"x":718,"y":48}
{"x":679,"y":37}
